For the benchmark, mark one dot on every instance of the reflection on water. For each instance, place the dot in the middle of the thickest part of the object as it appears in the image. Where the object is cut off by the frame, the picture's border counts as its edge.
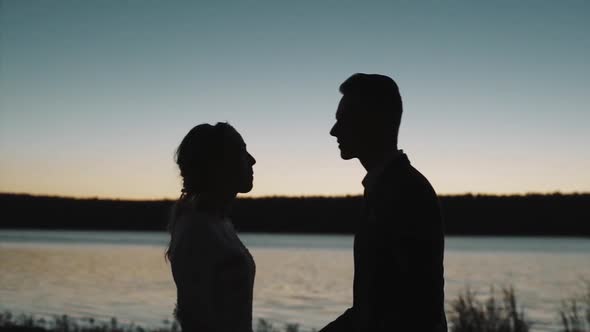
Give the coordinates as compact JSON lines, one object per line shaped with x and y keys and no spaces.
{"x":300,"y":278}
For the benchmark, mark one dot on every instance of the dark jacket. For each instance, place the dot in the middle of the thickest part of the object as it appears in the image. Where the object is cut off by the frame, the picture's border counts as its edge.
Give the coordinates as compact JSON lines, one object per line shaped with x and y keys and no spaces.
{"x":398,"y":257}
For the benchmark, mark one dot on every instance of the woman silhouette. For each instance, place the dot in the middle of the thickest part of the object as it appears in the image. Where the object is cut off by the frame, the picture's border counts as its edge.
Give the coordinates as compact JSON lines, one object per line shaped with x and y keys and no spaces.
{"x":212,"y":269}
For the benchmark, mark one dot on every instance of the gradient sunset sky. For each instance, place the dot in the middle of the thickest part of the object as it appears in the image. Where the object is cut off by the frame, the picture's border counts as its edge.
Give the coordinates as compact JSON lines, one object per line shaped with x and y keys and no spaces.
{"x":96,"y":95}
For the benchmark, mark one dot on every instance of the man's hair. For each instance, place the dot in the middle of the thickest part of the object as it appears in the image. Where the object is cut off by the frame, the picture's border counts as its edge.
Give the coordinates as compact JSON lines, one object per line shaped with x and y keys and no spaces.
{"x":378,"y":95}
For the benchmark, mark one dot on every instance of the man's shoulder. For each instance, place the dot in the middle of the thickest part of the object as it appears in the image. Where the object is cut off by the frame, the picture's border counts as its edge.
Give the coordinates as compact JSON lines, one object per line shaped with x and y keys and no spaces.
{"x":402,"y":177}
{"x":407,"y":197}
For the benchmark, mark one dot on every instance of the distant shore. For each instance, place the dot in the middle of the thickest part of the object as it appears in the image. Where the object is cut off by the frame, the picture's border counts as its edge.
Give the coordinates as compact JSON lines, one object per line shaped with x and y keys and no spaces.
{"x":510,"y":215}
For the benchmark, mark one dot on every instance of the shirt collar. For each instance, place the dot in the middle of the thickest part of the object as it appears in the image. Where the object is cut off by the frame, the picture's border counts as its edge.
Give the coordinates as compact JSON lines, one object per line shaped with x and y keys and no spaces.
{"x":373,"y":174}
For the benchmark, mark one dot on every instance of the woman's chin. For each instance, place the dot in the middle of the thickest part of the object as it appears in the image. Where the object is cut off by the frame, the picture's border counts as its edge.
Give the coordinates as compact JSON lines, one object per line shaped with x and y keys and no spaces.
{"x":247,"y":188}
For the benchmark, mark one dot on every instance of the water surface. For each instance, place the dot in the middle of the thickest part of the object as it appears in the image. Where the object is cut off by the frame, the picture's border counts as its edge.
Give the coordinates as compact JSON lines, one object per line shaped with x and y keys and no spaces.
{"x":304,"y":279}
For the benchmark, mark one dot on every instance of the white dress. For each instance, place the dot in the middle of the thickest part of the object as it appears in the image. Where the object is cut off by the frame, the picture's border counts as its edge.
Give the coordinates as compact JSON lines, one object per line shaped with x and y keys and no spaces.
{"x":214,"y":275}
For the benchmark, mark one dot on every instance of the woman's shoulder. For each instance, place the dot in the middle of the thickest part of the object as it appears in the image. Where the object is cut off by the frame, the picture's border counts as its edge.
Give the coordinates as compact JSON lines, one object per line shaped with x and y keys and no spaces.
{"x":201,"y":229}
{"x":194,"y":224}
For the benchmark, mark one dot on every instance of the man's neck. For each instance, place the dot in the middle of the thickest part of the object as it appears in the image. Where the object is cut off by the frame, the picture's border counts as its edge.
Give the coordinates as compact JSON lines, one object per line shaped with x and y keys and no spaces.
{"x":370,"y":161}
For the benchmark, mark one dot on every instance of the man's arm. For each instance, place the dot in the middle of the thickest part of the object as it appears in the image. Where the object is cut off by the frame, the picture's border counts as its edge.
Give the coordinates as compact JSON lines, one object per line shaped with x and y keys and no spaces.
{"x":344,"y":323}
{"x":413,"y":245}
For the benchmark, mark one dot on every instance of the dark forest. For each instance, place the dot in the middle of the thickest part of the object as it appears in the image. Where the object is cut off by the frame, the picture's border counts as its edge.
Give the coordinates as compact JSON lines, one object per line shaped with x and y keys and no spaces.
{"x":533,"y":214}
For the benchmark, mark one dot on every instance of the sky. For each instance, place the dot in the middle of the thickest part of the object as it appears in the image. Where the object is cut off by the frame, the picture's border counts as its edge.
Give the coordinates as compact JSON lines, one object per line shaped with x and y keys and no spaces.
{"x":95,"y":96}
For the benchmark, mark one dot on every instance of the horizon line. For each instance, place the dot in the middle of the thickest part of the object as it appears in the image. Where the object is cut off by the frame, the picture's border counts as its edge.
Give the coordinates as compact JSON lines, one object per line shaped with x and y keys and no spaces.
{"x":513,"y":194}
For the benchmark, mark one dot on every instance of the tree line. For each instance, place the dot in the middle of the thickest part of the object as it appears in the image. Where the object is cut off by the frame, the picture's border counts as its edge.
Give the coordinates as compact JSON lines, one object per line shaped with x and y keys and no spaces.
{"x":532,"y":214}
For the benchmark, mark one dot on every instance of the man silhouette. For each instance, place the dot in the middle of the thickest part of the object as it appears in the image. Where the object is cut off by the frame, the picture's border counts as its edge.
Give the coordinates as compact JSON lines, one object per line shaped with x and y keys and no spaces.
{"x":399,"y":244}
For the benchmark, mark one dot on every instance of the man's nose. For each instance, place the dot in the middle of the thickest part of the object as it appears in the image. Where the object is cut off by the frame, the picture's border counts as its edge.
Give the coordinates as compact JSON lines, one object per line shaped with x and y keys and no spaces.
{"x":252,"y":160}
{"x":333,"y":130}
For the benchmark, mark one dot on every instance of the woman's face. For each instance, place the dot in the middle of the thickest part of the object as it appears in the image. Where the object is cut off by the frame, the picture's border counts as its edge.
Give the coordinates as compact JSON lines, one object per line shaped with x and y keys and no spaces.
{"x":246,"y":170}
{"x":238,"y":167}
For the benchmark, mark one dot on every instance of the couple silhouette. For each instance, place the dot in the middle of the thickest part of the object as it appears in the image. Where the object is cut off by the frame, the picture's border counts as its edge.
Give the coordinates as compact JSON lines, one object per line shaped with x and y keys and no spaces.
{"x":398,"y":244}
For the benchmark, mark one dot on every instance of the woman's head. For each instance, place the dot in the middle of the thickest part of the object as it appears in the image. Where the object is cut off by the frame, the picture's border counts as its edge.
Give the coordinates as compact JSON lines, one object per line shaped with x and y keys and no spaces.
{"x":215,"y":166}
{"x":214,"y":159}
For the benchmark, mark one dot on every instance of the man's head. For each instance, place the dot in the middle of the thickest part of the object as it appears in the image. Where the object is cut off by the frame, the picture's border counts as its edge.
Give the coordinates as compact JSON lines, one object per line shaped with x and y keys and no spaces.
{"x":368,"y":115}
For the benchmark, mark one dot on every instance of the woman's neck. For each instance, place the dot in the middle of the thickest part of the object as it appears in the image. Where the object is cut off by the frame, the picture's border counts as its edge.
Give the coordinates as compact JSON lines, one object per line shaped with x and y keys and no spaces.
{"x":218,"y":204}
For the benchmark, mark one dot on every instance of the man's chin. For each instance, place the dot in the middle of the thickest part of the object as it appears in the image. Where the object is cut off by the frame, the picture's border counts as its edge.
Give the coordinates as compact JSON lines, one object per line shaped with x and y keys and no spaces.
{"x":346,"y":156}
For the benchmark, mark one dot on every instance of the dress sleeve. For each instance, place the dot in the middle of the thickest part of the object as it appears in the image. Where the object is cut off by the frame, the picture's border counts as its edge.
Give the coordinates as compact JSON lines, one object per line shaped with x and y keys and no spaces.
{"x":193,"y":269}
{"x":229,"y":301}
{"x":207,"y":300}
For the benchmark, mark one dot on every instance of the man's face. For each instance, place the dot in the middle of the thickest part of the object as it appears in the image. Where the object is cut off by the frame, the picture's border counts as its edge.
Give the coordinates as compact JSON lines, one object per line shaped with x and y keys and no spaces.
{"x":351,"y":129}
